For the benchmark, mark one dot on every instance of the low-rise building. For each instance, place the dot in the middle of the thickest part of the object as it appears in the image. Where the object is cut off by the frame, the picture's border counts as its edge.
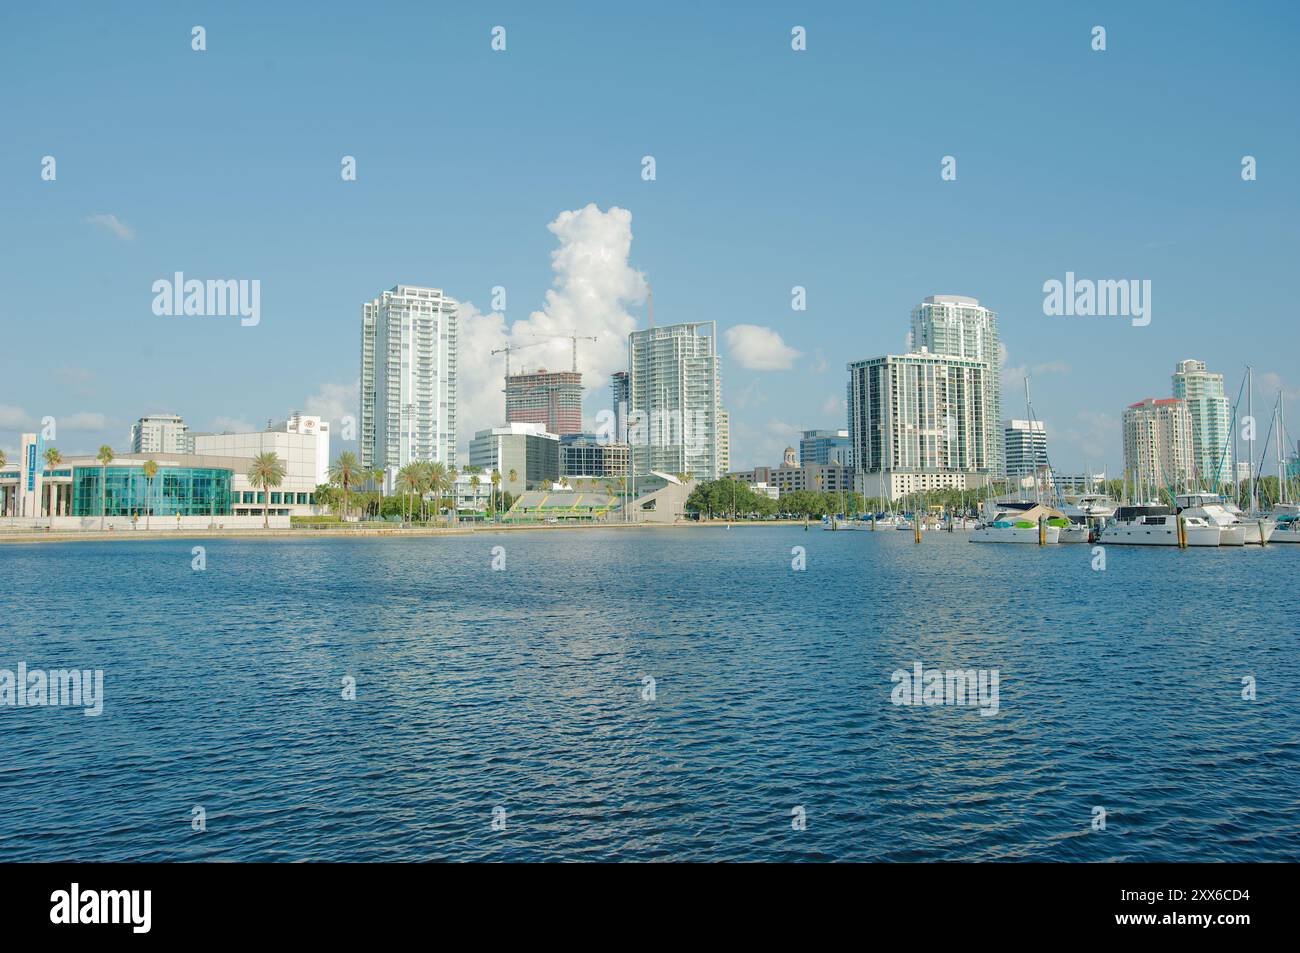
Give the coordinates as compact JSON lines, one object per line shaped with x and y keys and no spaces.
{"x":526,"y":456}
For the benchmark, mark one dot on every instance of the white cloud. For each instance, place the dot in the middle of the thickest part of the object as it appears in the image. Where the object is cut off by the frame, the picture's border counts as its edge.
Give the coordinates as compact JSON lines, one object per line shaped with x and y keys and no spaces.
{"x":757,"y":348}
{"x":333,"y":402}
{"x":13,"y":418}
{"x":232,"y":424}
{"x":593,"y":285}
{"x":113,"y":224}
{"x":833,"y":405}
{"x":85,"y":420}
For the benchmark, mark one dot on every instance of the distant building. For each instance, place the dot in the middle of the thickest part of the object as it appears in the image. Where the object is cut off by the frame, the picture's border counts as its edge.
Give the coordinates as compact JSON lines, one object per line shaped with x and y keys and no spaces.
{"x":1211,"y":416}
{"x":675,"y":400}
{"x":917,"y":422}
{"x":959,"y":326}
{"x":550,"y":398}
{"x":619,"y":392}
{"x":826,"y":446}
{"x":299,"y":423}
{"x":724,"y":441}
{"x":1158,"y":450}
{"x":304,"y":451}
{"x":584,"y":454}
{"x":1025,"y":447}
{"x":526,"y":456}
{"x":408,"y":378}
{"x":161,"y":433}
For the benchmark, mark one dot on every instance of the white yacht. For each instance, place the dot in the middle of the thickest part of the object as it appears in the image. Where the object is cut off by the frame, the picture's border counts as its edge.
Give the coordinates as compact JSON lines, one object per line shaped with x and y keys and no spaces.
{"x":1086,"y":517}
{"x":1213,"y":508}
{"x":1156,"y":525}
{"x":1287,"y":525}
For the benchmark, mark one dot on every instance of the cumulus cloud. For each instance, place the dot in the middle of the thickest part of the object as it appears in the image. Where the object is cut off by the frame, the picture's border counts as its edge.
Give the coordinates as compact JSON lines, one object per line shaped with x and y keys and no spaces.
{"x":85,"y":420}
{"x":594,"y":284}
{"x":113,"y":224}
{"x":333,"y":402}
{"x":757,"y":348}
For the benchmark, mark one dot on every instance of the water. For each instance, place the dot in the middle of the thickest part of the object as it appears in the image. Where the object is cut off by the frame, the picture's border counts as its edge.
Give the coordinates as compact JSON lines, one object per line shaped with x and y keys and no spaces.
{"x":522,"y":690}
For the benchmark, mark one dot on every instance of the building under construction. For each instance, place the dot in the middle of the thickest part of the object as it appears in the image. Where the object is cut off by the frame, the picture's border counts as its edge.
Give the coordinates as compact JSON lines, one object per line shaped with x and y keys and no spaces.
{"x":550,"y":398}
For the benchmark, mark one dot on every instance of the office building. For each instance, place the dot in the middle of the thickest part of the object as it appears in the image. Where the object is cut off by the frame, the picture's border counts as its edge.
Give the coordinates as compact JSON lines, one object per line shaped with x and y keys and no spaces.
{"x":1207,"y":404}
{"x":526,"y":456}
{"x":959,"y":326}
{"x":675,"y":397}
{"x":585,"y":454}
{"x":408,"y":378}
{"x":825,"y":446}
{"x":1024,"y":447}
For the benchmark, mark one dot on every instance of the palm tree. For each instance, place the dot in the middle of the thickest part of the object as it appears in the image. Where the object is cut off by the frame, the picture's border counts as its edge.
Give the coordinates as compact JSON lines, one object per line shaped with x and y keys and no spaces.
{"x":346,"y":472}
{"x":267,"y":471}
{"x":150,"y":471}
{"x":52,"y":459}
{"x":105,"y":457}
{"x":408,"y":482}
{"x":475,"y":483}
{"x":496,"y":487}
{"x":435,"y":476}
{"x":377,"y":477}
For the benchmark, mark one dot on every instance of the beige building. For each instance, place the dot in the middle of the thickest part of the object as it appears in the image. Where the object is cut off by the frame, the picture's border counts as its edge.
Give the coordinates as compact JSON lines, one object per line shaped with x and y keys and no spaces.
{"x":1158,"y":446}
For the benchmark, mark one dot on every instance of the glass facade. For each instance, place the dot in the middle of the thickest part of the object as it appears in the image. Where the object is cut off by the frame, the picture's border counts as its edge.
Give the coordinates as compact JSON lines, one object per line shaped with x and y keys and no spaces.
{"x":188,"y":491}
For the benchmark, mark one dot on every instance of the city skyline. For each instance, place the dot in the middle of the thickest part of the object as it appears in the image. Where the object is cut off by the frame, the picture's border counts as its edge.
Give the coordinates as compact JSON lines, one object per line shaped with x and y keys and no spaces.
{"x":847,"y":221}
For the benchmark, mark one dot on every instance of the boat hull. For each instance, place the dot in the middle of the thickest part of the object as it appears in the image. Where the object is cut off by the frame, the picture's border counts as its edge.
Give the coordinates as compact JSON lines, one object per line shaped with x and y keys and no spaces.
{"x":1027,"y":535}
{"x":1159,"y":536}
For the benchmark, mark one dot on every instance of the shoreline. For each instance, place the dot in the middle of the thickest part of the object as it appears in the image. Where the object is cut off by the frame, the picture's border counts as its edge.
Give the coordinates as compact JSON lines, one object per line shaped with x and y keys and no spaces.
{"x":360,"y":532}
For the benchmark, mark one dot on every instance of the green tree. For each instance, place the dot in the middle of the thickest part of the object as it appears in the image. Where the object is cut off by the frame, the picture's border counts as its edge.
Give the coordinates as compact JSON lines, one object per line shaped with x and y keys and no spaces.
{"x":267,"y":471}
{"x":346,"y":473}
{"x":496,"y":488}
{"x":150,"y":471}
{"x":105,"y":457}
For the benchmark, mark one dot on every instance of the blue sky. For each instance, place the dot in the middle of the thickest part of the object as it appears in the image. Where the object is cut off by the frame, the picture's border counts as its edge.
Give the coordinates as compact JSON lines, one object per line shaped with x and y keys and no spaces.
{"x":774,"y":169}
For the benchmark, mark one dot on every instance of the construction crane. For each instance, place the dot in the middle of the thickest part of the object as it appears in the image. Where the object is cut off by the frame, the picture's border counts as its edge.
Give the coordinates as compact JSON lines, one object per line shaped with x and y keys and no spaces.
{"x":575,"y":338}
{"x":512,"y":347}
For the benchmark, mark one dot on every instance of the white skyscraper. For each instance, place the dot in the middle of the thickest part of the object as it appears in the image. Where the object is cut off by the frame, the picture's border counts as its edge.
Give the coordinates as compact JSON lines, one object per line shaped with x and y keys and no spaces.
{"x":1211,"y":420}
{"x":1158,"y":445}
{"x":675,"y":419}
{"x":916,"y":423}
{"x":1025,"y":444}
{"x":958,"y":326}
{"x":408,"y":378}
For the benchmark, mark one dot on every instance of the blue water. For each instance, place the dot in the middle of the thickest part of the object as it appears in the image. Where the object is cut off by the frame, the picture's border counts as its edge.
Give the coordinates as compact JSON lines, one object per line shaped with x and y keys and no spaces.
{"x":522,"y":690}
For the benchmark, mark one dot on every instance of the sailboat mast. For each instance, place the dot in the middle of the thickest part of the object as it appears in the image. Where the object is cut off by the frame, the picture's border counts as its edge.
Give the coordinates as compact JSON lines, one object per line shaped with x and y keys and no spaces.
{"x":1250,"y":415}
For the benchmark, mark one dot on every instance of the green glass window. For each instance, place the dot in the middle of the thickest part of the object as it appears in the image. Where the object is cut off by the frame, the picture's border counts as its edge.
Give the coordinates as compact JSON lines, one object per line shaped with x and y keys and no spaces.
{"x":187,"y":491}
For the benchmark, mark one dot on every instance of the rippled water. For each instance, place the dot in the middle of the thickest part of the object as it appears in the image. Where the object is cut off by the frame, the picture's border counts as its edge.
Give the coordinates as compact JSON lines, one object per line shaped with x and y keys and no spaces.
{"x":522,"y":690}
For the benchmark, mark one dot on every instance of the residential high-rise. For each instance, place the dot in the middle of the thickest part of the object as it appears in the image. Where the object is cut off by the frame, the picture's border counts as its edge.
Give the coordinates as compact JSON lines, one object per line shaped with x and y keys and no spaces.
{"x":1211,"y":420}
{"x":959,"y":326}
{"x":619,"y":392}
{"x":825,"y":446}
{"x":550,"y":398}
{"x":724,"y":442}
{"x":408,"y":378}
{"x":161,"y":433}
{"x":1025,"y":447}
{"x":675,"y":412}
{"x":916,"y":422}
{"x":1158,"y":445}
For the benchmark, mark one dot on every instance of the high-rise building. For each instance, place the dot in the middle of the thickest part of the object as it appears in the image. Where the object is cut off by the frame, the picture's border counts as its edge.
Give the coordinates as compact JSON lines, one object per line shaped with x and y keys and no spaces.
{"x":550,"y":398}
{"x":916,"y":422}
{"x":1158,"y":445}
{"x":408,"y":378}
{"x":825,"y":446}
{"x":161,"y":433}
{"x":1024,"y":447}
{"x":619,"y":392}
{"x":675,"y":400}
{"x":958,"y":326}
{"x":1211,"y":420}
{"x":724,"y":442}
